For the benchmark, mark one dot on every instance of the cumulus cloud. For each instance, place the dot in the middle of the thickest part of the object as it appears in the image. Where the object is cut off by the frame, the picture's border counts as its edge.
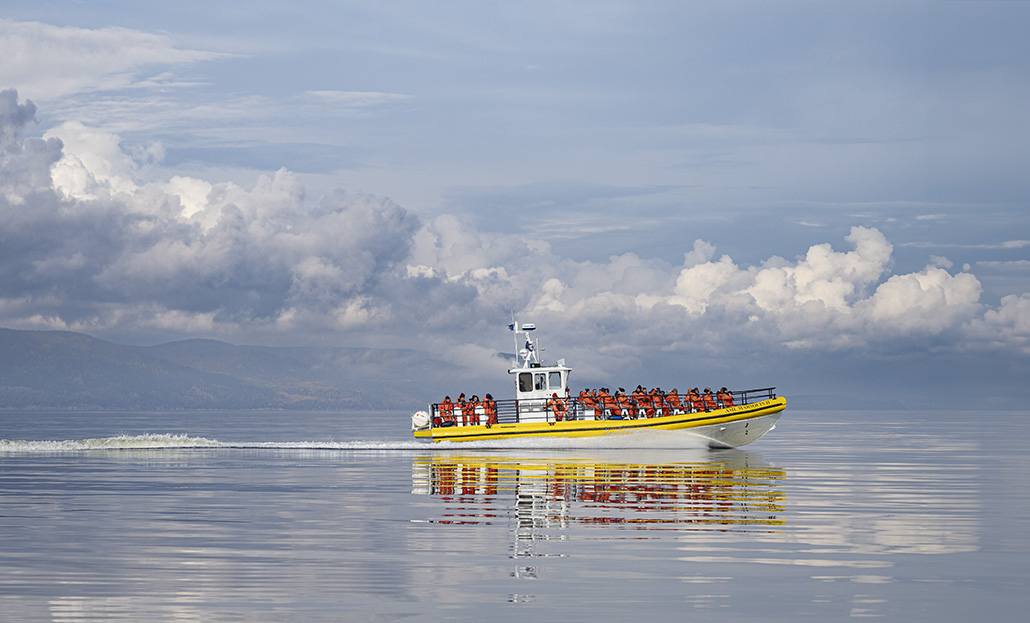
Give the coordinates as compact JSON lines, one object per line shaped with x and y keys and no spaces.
{"x":90,"y":242}
{"x":24,"y":167}
{"x":1008,"y":326}
{"x":183,"y":251}
{"x":824,"y":300}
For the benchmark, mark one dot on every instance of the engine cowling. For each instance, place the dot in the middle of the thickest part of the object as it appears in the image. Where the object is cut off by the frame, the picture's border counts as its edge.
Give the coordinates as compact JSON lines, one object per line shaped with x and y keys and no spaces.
{"x":420,"y":420}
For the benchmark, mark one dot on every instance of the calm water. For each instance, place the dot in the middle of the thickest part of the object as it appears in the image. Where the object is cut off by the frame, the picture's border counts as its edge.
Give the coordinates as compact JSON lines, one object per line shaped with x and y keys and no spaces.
{"x":339,"y":517}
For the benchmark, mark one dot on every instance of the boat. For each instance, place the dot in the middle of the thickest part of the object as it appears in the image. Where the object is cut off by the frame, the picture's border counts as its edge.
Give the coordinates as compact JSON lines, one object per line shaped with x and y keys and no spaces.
{"x":544,"y":407}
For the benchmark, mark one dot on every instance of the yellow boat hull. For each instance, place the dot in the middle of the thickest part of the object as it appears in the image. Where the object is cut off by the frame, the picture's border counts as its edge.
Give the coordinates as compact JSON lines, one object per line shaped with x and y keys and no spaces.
{"x":727,"y":427}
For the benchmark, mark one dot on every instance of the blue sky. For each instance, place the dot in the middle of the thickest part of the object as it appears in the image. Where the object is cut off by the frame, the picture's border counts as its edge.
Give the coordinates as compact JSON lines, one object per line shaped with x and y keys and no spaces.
{"x":821,"y":196}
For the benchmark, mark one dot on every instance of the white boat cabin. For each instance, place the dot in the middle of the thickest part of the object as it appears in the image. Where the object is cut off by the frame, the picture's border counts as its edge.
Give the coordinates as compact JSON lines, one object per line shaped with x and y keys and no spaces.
{"x":541,"y":381}
{"x":535,"y":383}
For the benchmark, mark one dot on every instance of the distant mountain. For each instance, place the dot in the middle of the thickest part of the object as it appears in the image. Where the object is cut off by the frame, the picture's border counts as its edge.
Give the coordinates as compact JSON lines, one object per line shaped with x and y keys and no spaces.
{"x":65,"y":370}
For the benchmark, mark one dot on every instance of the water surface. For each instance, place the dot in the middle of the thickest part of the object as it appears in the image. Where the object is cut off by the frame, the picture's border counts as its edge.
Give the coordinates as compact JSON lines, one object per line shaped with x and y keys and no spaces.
{"x":341,"y":517}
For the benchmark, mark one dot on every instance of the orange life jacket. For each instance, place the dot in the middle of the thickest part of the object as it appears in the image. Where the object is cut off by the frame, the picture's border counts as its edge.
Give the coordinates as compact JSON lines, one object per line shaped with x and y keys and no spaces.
{"x":647,"y":403}
{"x":473,"y":417}
{"x":674,"y":401}
{"x":490,"y":409}
{"x":447,"y":410}
{"x":558,"y":408}
{"x":611,"y":404}
{"x":659,"y":403}
{"x":625,"y":403}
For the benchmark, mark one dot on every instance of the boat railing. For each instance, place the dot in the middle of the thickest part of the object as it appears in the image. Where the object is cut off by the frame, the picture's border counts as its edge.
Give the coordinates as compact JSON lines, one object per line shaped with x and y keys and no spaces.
{"x":747,"y":396}
{"x":537,"y":409}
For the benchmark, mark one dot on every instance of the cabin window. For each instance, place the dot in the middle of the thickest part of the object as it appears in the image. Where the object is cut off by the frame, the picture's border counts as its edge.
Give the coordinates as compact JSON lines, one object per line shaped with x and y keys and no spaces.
{"x":539,"y":381}
{"x":555,"y":380}
{"x":525,"y":382}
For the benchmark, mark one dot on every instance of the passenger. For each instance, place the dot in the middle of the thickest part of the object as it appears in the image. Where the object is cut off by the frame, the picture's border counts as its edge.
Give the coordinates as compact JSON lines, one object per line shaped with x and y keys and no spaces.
{"x":639,"y":399}
{"x":709,"y":399}
{"x":463,"y":407}
{"x":584,"y":401}
{"x":611,"y":405}
{"x":626,"y":404}
{"x":447,"y":412}
{"x":557,"y":407}
{"x":646,"y":404}
{"x":673,"y":398}
{"x":658,"y":400}
{"x":614,"y":406}
{"x":490,"y":410}
{"x":696,"y":402}
{"x":473,"y":404}
{"x":725,"y":397}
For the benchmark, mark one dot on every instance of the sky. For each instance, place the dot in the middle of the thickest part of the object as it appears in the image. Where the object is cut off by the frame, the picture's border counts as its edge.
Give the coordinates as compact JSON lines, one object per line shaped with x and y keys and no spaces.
{"x":827,"y":197}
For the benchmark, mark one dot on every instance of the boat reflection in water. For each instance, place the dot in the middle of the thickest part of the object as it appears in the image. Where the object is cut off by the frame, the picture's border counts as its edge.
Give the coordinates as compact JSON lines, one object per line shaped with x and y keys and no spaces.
{"x":546,"y":496}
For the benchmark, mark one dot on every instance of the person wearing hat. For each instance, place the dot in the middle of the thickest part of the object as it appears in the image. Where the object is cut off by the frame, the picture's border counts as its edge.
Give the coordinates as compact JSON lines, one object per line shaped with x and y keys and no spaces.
{"x":557,"y":408}
{"x":447,"y":412}
{"x":583,"y":400}
{"x":673,"y":398}
{"x":696,"y":402}
{"x":658,"y":402}
{"x":709,"y":399}
{"x":462,"y":406}
{"x":626,"y":406}
{"x":725,"y":397}
{"x":610,"y":404}
{"x":490,"y":410}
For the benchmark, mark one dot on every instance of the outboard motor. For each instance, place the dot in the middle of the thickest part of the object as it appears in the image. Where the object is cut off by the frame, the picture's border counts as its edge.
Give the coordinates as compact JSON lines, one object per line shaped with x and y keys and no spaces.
{"x":420,"y":420}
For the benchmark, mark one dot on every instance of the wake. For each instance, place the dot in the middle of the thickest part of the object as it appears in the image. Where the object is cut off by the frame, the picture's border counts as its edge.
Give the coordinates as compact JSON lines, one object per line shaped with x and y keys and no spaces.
{"x":186,"y":442}
{"x":642,"y":439}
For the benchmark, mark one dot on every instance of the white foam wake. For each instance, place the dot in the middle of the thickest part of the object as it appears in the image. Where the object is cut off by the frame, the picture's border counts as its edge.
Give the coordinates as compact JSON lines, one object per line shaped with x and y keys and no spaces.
{"x":171,"y":441}
{"x":641,"y":439}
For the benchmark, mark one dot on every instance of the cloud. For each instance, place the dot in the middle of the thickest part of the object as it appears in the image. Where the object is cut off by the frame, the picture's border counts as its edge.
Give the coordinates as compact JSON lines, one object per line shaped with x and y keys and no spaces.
{"x":93,"y":240}
{"x":184,"y":252}
{"x":1006,"y":244}
{"x":931,"y":301}
{"x":824,"y":300}
{"x":53,"y":61}
{"x":1008,"y":326}
{"x":24,"y":167}
{"x":354,"y":101}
